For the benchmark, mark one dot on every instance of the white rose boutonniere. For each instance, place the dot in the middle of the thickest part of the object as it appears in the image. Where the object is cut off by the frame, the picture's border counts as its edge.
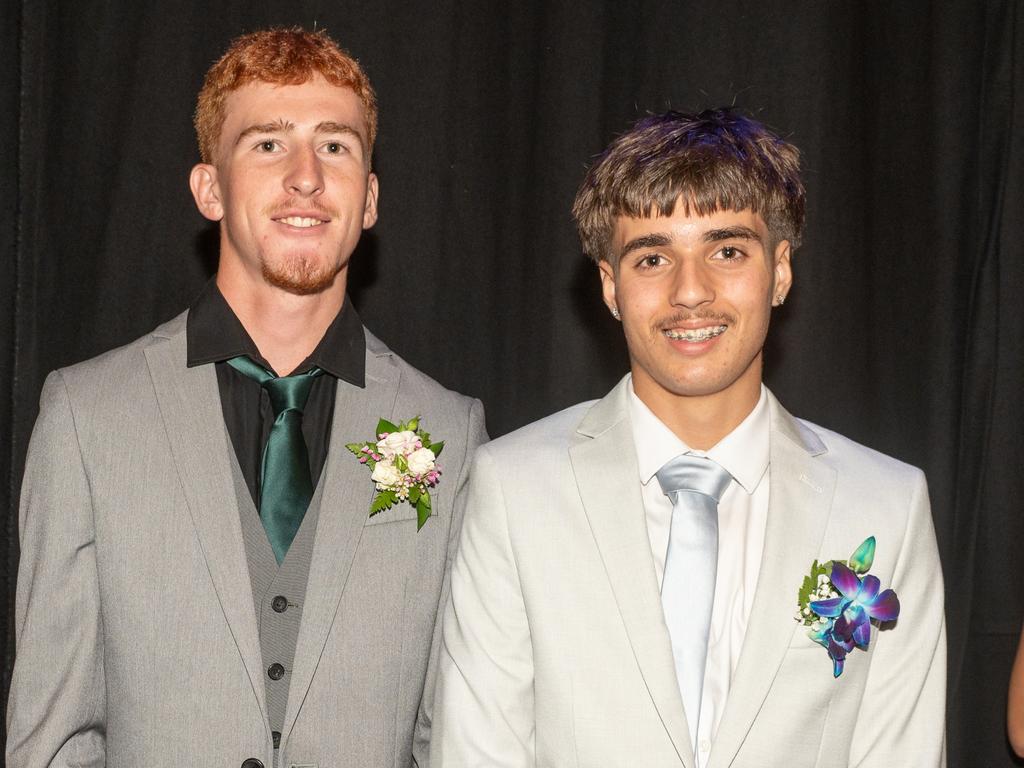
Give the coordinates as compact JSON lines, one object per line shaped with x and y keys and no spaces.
{"x":421,"y":461}
{"x":403,"y":464}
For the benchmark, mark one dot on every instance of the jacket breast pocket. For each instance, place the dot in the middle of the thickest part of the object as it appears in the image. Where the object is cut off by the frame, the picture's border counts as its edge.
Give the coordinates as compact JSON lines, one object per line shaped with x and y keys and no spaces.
{"x":398,"y":513}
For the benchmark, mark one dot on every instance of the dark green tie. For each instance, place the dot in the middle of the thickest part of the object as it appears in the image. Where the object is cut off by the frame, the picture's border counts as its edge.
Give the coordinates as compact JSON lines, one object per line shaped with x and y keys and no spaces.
{"x":285,"y":484}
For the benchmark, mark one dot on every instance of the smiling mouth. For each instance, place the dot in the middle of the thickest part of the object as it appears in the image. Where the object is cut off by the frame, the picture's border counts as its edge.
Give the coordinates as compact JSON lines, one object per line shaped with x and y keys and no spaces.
{"x":698,"y":334}
{"x":302,"y":222}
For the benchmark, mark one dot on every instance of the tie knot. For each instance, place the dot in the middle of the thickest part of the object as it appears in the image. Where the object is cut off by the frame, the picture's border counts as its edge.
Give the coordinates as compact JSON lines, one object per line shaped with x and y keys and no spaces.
{"x":695,"y":474}
{"x":290,"y":393}
{"x":287,"y":393}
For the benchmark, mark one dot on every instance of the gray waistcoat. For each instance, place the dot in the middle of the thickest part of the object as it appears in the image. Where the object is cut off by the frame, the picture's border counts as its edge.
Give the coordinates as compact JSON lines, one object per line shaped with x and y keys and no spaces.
{"x":279,"y":593}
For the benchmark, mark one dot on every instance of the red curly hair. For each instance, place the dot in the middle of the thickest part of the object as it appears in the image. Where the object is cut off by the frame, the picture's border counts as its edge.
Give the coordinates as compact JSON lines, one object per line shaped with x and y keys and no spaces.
{"x":280,"y":56}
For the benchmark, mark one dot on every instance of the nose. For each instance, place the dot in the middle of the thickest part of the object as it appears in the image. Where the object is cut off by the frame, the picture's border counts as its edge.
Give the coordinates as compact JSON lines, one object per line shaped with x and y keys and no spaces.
{"x":305,"y":176}
{"x":692,"y":284}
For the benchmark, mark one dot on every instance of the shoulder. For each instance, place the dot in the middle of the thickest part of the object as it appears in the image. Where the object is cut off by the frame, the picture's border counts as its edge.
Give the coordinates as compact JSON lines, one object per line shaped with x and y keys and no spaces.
{"x":869,"y":490}
{"x":543,"y":440}
{"x":415,"y":383}
{"x":117,"y":372}
{"x":853,"y":458}
{"x":846,"y":457}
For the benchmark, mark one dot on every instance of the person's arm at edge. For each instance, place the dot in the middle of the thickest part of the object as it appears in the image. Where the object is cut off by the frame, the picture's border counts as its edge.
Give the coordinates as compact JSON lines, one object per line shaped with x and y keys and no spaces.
{"x":56,"y":712}
{"x":1015,"y":702}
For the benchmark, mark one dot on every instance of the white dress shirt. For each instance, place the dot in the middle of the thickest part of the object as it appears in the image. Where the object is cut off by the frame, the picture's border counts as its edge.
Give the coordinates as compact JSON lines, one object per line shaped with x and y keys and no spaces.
{"x":742,"y":517}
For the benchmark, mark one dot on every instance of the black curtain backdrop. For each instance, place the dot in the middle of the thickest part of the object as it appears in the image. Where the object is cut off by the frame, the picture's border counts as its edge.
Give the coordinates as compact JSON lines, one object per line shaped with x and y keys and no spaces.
{"x":904,"y":328}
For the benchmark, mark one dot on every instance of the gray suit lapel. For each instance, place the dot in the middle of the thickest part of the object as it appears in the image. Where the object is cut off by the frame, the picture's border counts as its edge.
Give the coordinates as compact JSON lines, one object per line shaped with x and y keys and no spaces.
{"x":604,"y":462}
{"x":344,"y":508}
{"x":798,"y":512}
{"x":190,"y":406}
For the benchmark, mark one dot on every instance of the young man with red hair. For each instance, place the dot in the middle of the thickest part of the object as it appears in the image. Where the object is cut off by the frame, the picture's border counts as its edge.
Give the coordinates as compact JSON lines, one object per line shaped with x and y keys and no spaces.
{"x":202,"y":581}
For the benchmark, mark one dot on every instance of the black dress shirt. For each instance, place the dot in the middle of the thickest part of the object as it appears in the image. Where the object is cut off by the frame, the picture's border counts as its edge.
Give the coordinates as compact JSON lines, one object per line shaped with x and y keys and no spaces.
{"x":214,"y":334}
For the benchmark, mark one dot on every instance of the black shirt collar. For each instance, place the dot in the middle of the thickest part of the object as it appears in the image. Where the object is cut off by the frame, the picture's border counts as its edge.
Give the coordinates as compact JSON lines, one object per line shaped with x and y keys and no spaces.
{"x":213,"y":333}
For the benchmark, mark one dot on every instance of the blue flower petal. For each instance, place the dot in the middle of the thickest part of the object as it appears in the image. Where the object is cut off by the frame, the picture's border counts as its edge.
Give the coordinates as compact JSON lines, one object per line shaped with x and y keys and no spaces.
{"x":868,"y":589}
{"x":885,"y":607}
{"x":847,"y":623}
{"x":862,"y":635}
{"x":845,"y":580}
{"x":837,"y":667}
{"x":829,"y":608}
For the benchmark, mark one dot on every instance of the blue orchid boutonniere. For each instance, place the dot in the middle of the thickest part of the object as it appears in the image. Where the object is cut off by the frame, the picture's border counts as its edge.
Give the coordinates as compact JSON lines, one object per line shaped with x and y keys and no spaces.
{"x":403,"y":465}
{"x":837,"y":605}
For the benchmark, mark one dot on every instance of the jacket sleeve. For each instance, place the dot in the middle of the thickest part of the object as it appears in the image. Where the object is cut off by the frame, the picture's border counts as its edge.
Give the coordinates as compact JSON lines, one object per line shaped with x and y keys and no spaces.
{"x":56,"y":714}
{"x":902,"y":720}
{"x":484,"y":708}
{"x":476,"y":435}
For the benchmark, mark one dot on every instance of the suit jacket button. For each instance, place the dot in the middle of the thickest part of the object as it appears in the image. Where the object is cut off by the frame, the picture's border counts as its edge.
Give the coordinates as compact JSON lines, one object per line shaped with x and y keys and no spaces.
{"x":279,"y":604}
{"x":252,"y":762}
{"x":275,"y":672}
{"x":276,"y":735}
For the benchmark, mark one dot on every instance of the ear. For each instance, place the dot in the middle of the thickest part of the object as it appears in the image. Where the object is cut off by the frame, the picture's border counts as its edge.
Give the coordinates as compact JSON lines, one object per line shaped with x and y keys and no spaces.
{"x":206,"y":191}
{"x":608,"y":285}
{"x":783,"y":270}
{"x":370,"y":209}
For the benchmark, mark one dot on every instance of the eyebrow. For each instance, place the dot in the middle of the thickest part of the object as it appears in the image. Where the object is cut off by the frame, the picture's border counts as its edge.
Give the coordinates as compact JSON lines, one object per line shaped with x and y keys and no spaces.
{"x":278,"y":126}
{"x":284,"y":126}
{"x":655,"y":240}
{"x":731,"y":233}
{"x":330,"y":126}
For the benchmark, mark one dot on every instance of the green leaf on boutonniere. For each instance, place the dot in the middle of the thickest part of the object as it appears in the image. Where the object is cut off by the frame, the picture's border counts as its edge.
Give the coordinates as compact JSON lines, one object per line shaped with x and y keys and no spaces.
{"x":385,"y":426}
{"x":414,"y":495}
{"x":413,"y":424}
{"x":383,"y":500}
{"x":356,"y":448}
{"x":422,"y":510}
{"x":437,"y":448}
{"x":809,"y":588}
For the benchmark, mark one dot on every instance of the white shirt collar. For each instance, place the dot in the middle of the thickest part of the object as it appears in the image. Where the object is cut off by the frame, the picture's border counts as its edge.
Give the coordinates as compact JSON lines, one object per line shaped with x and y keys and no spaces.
{"x":743,"y":453}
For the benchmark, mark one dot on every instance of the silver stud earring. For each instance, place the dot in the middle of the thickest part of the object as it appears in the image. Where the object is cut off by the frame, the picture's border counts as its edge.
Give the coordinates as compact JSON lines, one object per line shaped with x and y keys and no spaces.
{"x":615,"y":313}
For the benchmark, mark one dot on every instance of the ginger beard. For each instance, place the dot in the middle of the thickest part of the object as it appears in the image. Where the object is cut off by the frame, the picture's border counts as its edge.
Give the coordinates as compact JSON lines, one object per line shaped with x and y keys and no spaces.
{"x":300,"y":270}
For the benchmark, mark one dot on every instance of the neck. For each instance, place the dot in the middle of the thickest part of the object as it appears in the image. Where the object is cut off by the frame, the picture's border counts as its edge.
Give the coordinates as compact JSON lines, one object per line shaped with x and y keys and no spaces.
{"x":701,"y":421}
{"x":284,"y":326}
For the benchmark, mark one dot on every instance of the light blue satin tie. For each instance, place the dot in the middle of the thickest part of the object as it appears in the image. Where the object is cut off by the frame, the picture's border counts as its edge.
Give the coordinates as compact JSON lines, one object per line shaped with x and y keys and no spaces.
{"x":695,"y":485}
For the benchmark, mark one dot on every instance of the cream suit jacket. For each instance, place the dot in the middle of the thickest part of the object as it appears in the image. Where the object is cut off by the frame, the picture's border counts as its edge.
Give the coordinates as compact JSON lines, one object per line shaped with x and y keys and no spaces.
{"x":555,"y":650}
{"x":137,"y":639}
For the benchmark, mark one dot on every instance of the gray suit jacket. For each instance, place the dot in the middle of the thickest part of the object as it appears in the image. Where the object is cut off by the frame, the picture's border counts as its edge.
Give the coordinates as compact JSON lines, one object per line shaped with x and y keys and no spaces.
{"x":555,"y":650}
{"x":137,"y":640}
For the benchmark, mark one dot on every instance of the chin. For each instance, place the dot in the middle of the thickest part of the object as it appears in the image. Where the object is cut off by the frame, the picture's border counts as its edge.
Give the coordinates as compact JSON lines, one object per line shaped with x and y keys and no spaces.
{"x":300,"y":275}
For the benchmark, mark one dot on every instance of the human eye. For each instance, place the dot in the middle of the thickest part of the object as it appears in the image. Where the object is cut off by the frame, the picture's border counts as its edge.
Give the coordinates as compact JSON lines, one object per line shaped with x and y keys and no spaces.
{"x":649,"y":261}
{"x":729,"y":253}
{"x":267,"y":146}
{"x":335,"y":147}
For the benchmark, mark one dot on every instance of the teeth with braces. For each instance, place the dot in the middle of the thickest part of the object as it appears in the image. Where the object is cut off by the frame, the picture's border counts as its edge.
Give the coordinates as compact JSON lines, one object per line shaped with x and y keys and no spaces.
{"x":701,"y":334}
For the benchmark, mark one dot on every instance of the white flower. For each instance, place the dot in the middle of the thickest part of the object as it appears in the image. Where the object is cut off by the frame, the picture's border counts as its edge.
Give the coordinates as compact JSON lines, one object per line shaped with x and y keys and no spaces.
{"x":398,"y":444}
{"x":386,"y":474}
{"x":421,"y":461}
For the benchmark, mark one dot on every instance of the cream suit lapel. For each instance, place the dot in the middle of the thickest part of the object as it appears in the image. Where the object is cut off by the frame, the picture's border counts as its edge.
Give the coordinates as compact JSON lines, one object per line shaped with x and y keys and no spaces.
{"x":798,"y":511}
{"x":344,"y":508}
{"x":190,"y":405}
{"x":604,"y":462}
